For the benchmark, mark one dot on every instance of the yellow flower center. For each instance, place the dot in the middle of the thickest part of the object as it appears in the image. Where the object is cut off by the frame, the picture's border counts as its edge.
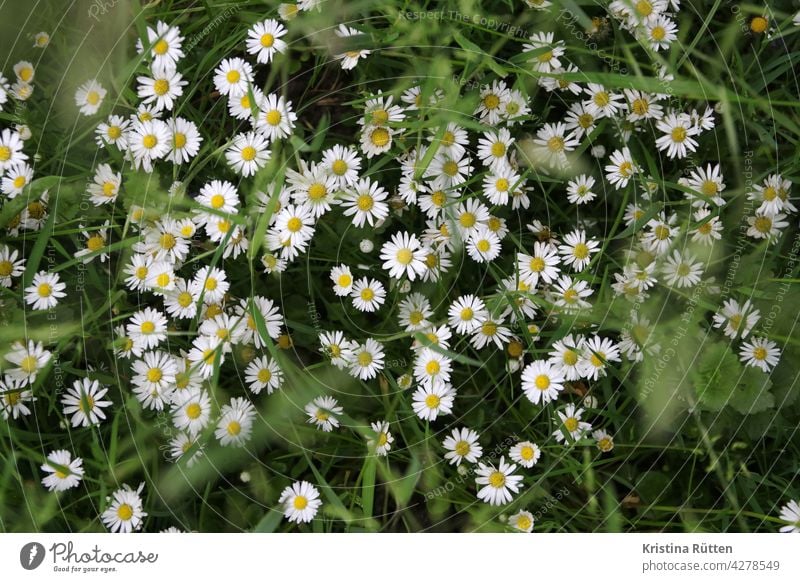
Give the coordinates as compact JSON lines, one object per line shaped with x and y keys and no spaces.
{"x":555,"y":144}
{"x":380,"y":116}
{"x":380,"y":137}
{"x":542,"y":382}
{"x":339,"y":167}
{"x":6,"y":268}
{"x":580,"y":251}
{"x":233,"y":76}
{"x":462,"y":448}
{"x":365,"y":202}
{"x":364,"y":359}
{"x":432,"y":401}
{"x":404,"y":256}
{"x":526,"y":453}
{"x":501,"y":185}
{"x":601,"y":98}
{"x":450,"y":168}
{"x":571,"y":424}
{"x":497,"y":479}
{"x":264,"y":375}
{"x":537,"y":264}
{"x":294,"y":224}
{"x":763,"y":224}
{"x":432,"y":368}
{"x":317,"y":191}
{"x":125,"y":512}
{"x":467,"y":220}
{"x":5,"y":153}
{"x":759,"y":24}
{"x":489,"y":328}
{"x":234,"y":428}
{"x":160,"y":87}
{"x":300,"y":502}
{"x":267,"y":40}
{"x":491,"y":101}
{"x":154,"y":375}
{"x":185,"y":299}
{"x":95,"y":243}
{"x":640,"y":106}
{"x":193,"y":411}
{"x":29,"y":364}
{"x":498,"y":149}
{"x":678,"y":134}
{"x":148,"y":327}
{"x":273,"y":117}
{"x":344,"y":280}
{"x":45,"y":290}
{"x":149,"y":141}
{"x":367,"y":294}
{"x":249,"y":153}
{"x":161,"y":47}
{"x":760,"y":353}
{"x":19,"y":182}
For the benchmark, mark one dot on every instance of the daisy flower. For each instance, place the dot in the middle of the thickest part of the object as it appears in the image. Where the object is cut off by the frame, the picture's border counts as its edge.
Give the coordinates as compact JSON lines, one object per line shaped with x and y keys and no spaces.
{"x":63,"y":472}
{"x":415,"y":311}
{"x":349,"y":59}
{"x":375,"y":140}
{"x":206,"y":353}
{"x":322,"y":412}
{"x":11,"y":152}
{"x":580,"y":190}
{"x":760,"y":353}
{"x":604,"y":441}
{"x":84,"y":401}
{"x":263,"y":373}
{"x":300,"y":502}
{"x":313,"y":187}
{"x":498,"y":482}
{"x":525,"y":453}
{"x":334,"y":346}
{"x":432,"y":367}
{"x":541,"y":265}
{"x":454,"y":140}
{"x":213,"y":282}
{"x":598,"y":352}
{"x":383,"y":439}
{"x":147,"y":328}
{"x":577,"y":251}
{"x":235,"y":423}
{"x":185,"y":140}
{"x":368,"y":294}
{"x":467,"y":313}
{"x":492,"y":100}
{"x":642,"y":105}
{"x":682,"y":270}
{"x":367,"y":359}
{"x":343,"y":163}
{"x":264,"y":40}
{"x":483,"y":245}
{"x":554,"y":143}
{"x":571,"y":424}
{"x":736,"y":319}
{"x":708,"y":182}
{"x":275,"y":119}
{"x":248,"y":153}
{"x":661,"y":230}
{"x":542,"y":381}
{"x":105,"y":186}
{"x":773,"y":196}
{"x":601,"y":102}
{"x":89,"y":97}
{"x":181,"y":444}
{"x":45,"y":291}
{"x":17,"y":177}
{"x":165,"y":44}
{"x":491,"y":330}
{"x":790,"y":513}
{"x":342,"y":280}
{"x":403,"y":255}
{"x":162,"y":89}
{"x":233,"y":77}
{"x":547,"y":51}
{"x":191,"y":410}
{"x":431,"y":401}
{"x":14,"y":397}
{"x":523,"y":520}
{"x":365,"y":203}
{"x":154,"y":379}
{"x":660,"y":32}
{"x":621,"y":169}
{"x":765,"y":226}
{"x":499,"y":183}
{"x":10,"y":265}
{"x":462,"y":445}
{"x":96,"y":241}
{"x":125,"y":513}
{"x":148,"y":141}
{"x":678,"y":139}
{"x":113,"y":131}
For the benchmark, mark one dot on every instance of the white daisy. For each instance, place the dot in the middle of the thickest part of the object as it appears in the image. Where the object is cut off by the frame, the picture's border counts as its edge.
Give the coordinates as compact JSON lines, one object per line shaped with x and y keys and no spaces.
{"x":248,"y":153}
{"x":275,"y":119}
{"x":322,"y":412}
{"x":84,"y":401}
{"x":525,"y":453}
{"x":403,"y":255}
{"x":571,"y":424}
{"x":263,"y":373}
{"x":760,"y":353}
{"x":542,"y":381}
{"x":300,"y":502}
{"x":382,"y":440}
{"x":364,"y":201}
{"x":45,"y":291}
{"x":367,"y":359}
{"x":89,"y":97}
{"x":235,"y":423}
{"x":462,"y":445}
{"x":264,"y":40}
{"x":63,"y":472}
{"x":125,"y":513}
{"x":498,"y":482}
